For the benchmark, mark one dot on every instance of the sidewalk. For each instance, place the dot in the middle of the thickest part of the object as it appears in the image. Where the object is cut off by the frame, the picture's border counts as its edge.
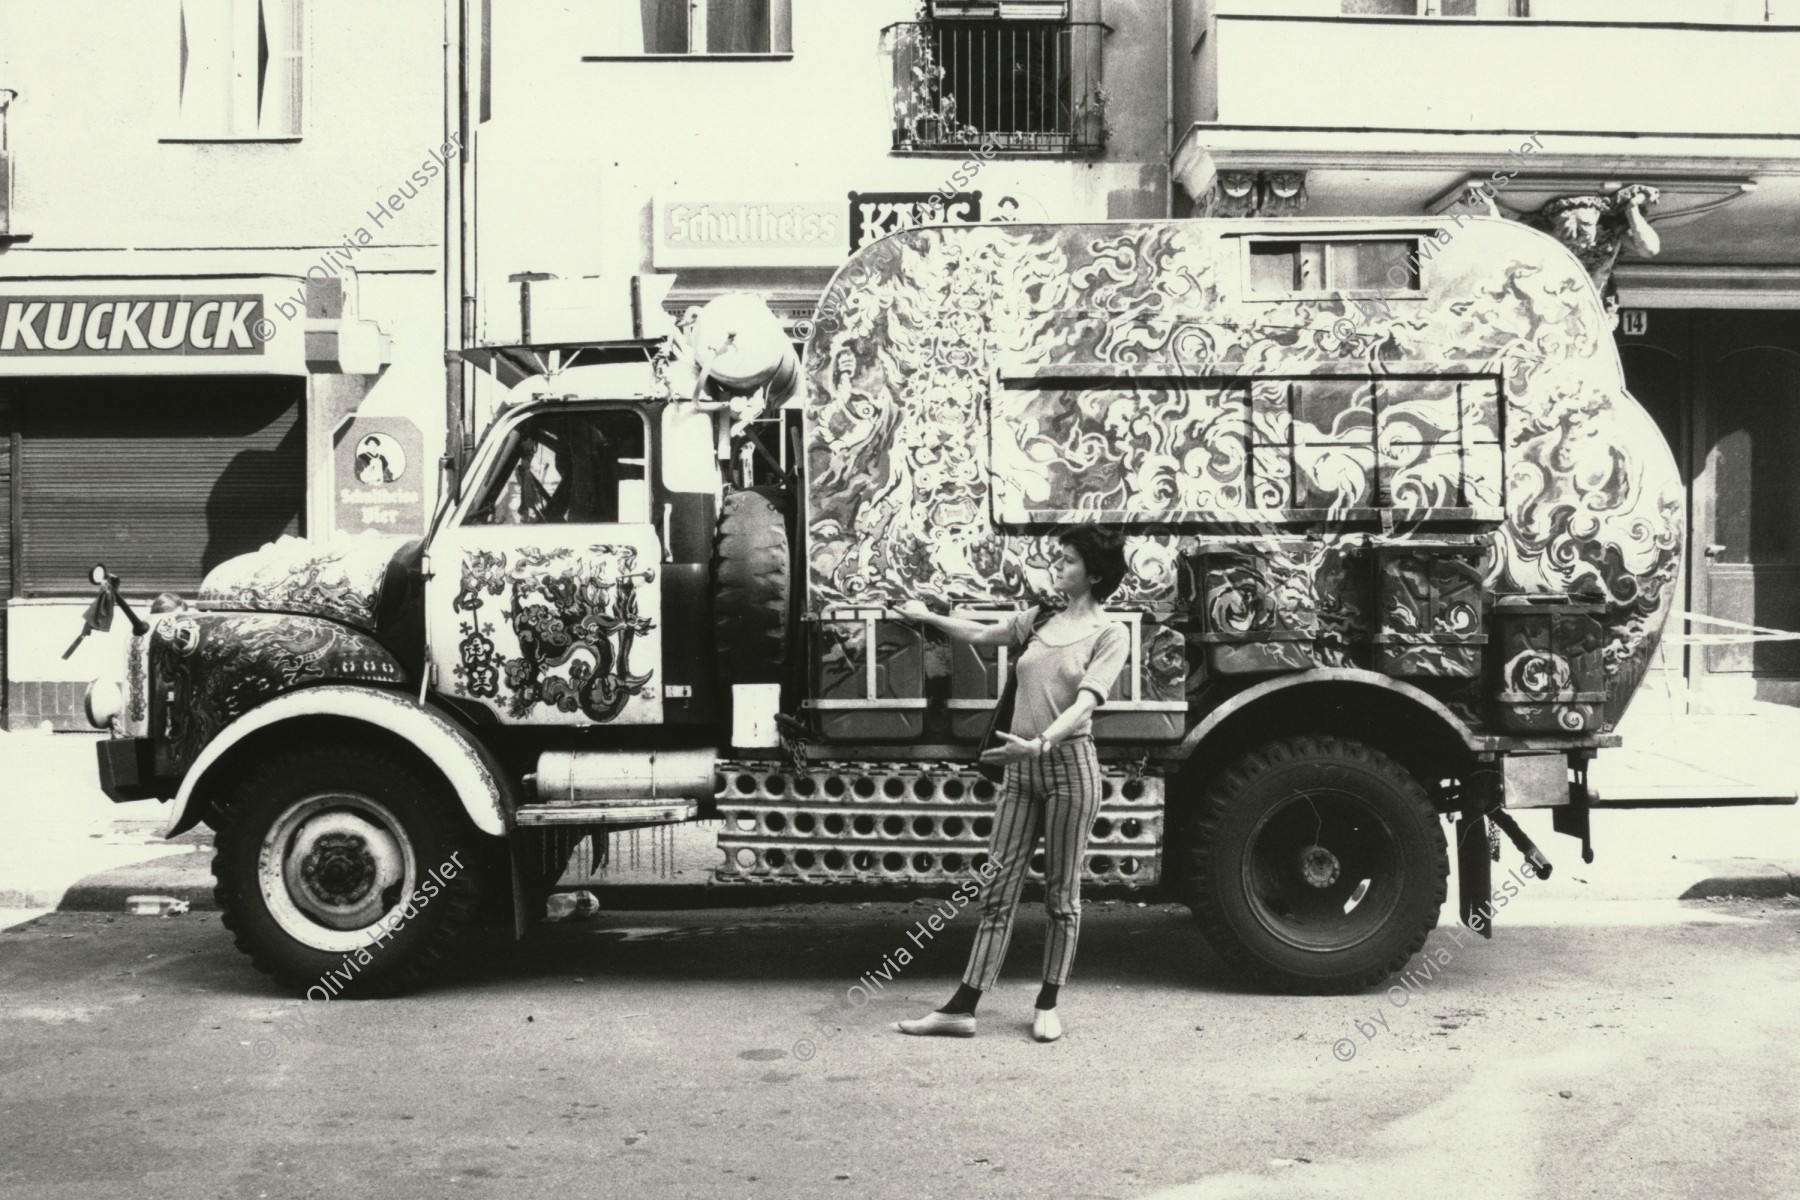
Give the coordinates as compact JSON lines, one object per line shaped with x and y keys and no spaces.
{"x":63,"y":845}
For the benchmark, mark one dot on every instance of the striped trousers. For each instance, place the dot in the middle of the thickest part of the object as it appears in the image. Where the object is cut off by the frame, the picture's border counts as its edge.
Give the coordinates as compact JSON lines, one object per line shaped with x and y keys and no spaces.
{"x":1057,"y":794}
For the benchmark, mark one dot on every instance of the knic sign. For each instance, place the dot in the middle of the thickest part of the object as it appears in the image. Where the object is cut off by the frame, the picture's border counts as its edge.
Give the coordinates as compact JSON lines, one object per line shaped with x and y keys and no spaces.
{"x":56,"y":327}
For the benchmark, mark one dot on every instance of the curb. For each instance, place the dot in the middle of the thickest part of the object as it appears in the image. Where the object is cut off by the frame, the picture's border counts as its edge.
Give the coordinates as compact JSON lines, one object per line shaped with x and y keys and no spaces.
{"x":1764,"y":880}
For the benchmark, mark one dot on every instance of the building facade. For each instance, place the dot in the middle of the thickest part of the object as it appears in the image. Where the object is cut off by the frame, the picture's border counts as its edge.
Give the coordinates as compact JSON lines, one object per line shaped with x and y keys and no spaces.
{"x":751,"y":145}
{"x":1568,"y":114}
{"x":221,"y":307}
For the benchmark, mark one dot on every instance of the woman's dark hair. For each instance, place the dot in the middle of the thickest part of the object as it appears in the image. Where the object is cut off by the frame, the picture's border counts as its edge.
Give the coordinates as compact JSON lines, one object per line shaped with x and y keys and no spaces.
{"x":1102,"y":552}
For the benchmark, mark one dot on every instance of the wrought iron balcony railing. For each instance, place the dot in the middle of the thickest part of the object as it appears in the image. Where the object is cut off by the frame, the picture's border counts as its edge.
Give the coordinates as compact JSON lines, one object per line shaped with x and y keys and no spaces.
{"x":1009,"y":85}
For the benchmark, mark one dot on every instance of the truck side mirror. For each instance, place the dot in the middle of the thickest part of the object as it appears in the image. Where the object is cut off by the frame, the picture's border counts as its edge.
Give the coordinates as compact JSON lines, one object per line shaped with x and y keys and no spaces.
{"x":689,"y":460}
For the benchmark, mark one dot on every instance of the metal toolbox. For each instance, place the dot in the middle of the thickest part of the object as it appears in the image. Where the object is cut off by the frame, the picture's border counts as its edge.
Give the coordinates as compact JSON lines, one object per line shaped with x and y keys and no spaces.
{"x":1552,"y":665}
{"x":1257,"y":610}
{"x":1428,"y":598}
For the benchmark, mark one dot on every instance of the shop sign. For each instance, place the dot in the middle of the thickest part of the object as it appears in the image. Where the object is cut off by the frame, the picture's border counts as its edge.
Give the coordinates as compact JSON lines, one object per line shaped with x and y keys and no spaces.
{"x":52,"y":326}
{"x":380,"y":473}
{"x":746,"y":233}
{"x":146,"y":327}
{"x":874,"y":215}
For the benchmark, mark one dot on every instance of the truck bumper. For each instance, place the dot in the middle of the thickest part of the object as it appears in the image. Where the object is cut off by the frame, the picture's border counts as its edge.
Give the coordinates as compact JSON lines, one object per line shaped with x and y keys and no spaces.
{"x":126,"y":769}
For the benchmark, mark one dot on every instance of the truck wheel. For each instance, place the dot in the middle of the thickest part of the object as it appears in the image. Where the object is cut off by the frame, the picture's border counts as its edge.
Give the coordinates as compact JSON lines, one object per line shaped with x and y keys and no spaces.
{"x":323,"y":852}
{"x":752,"y":588}
{"x":1314,"y":864}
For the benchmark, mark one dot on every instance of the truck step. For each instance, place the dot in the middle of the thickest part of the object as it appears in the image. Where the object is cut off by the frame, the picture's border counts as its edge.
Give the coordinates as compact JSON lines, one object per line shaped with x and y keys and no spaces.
{"x":907,"y":823}
{"x":649,"y":812}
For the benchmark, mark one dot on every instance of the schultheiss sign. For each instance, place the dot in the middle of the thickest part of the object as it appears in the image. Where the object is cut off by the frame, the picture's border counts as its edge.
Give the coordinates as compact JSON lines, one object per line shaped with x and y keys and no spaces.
{"x":746,"y":233}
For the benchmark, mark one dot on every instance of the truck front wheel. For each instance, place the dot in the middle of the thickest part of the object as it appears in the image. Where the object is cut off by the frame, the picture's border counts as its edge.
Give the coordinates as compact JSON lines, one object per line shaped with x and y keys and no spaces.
{"x":1314,"y":864}
{"x":340,"y":868}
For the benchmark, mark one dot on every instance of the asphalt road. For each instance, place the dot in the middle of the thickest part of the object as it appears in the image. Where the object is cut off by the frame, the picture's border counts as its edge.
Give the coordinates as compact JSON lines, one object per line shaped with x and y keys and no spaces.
{"x":1599,"y":1049}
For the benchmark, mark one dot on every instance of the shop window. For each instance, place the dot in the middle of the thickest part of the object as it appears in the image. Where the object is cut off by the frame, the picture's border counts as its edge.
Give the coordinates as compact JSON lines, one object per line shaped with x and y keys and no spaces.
{"x":241,"y":69}
{"x":584,"y":468}
{"x":712,"y":27}
{"x":1310,"y":268}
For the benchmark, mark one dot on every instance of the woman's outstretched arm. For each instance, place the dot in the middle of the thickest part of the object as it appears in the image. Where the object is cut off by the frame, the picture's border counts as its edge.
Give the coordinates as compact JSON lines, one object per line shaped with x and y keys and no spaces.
{"x":976,"y":633}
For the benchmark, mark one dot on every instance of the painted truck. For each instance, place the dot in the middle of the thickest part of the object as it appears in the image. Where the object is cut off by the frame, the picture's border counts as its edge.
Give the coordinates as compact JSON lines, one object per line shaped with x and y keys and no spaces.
{"x":1401,"y":546}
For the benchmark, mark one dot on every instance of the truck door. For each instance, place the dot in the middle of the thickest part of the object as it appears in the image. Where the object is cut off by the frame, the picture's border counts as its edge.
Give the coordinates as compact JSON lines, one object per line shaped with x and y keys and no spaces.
{"x":545,"y":603}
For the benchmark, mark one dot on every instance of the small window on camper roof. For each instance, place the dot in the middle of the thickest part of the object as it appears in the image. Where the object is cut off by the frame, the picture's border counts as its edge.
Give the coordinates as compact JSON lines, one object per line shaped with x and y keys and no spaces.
{"x":1361,"y":265}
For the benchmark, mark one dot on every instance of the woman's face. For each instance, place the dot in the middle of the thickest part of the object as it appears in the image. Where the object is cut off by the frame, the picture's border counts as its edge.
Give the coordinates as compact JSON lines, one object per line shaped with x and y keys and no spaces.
{"x":1070,"y":573}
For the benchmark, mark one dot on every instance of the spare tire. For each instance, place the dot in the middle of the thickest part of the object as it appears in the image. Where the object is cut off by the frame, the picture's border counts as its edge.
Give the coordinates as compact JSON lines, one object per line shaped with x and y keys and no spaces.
{"x":752,"y":598}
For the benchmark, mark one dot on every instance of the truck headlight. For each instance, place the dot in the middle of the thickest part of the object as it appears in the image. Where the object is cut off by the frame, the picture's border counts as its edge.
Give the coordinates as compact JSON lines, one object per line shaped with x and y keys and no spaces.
{"x":105,"y":700}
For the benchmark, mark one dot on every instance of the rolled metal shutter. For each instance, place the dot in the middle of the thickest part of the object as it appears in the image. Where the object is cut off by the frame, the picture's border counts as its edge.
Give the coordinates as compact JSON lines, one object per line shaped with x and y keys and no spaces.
{"x":160,"y":479}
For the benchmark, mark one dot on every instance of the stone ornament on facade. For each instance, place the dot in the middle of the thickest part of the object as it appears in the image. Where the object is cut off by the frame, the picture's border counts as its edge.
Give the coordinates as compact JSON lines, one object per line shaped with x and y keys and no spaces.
{"x":1283,"y":193}
{"x":1595,"y":228}
{"x":1232,"y":194}
{"x":1254,"y":194}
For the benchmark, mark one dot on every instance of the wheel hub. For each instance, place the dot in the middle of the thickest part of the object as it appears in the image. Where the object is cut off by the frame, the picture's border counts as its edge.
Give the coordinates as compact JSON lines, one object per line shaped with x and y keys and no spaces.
{"x":1322,"y":870}
{"x":340,"y":868}
{"x":1319,"y":866}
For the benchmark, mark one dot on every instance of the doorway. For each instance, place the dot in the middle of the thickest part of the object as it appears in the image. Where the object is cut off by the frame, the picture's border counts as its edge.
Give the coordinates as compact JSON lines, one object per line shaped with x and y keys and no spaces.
{"x":1724,"y":385}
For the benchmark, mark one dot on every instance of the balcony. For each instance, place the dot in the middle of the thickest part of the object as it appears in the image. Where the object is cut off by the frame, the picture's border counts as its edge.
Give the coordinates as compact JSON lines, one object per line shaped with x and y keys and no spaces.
{"x":1004,"y":85}
{"x":1357,"y":107}
{"x":1596,"y":66}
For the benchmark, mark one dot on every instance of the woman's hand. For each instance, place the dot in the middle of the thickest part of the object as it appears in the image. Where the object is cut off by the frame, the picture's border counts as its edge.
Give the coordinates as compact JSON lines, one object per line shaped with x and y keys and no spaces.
{"x":918,"y":610}
{"x":1011,"y":750}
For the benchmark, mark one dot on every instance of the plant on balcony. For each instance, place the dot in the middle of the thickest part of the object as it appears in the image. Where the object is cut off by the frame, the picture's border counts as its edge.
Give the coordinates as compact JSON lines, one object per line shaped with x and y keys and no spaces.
{"x":1088,"y":125}
{"x":926,"y":115}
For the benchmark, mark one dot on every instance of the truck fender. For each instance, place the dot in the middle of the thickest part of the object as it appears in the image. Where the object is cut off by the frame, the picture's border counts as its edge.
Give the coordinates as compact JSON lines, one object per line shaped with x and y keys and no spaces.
{"x":1251,"y":695}
{"x":479,"y":782}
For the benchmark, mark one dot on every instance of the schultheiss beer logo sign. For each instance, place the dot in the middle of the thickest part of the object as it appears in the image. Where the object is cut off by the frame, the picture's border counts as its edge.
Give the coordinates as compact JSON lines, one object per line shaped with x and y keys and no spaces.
{"x":702,"y":232}
{"x":53,"y":326}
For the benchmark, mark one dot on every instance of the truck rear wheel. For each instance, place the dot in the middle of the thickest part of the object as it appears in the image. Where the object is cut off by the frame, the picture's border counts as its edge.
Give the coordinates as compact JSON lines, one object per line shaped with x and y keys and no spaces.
{"x":1314,"y":864}
{"x":752,"y":601}
{"x":339,"y":868}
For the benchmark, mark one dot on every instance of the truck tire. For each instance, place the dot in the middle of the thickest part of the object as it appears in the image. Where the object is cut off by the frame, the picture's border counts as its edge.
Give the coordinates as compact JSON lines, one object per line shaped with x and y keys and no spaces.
{"x":319,"y":846}
{"x":1313,"y":864}
{"x":752,"y":587}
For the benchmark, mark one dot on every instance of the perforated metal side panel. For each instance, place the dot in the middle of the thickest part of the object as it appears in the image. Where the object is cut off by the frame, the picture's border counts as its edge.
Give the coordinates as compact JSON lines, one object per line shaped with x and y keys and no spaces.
{"x":906,"y":823}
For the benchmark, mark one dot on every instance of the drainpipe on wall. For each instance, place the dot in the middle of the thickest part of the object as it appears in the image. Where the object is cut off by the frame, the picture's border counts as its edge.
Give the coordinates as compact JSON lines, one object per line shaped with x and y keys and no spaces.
{"x":474,"y":45}
{"x":1169,"y":112}
{"x":458,"y":232}
{"x":7,"y":96}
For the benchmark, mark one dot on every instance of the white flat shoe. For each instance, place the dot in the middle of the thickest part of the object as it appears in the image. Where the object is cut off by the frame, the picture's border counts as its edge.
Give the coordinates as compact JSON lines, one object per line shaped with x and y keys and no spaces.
{"x":937,"y":1024}
{"x":1046,"y":1026}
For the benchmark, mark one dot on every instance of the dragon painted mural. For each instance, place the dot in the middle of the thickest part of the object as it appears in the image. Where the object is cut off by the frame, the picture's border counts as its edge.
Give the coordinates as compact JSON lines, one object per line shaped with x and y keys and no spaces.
{"x":1310,"y":478}
{"x":568,"y":619}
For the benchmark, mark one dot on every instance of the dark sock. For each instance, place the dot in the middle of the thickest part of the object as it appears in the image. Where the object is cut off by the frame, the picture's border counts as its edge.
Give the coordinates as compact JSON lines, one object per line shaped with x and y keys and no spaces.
{"x":964,"y":1002}
{"x":1047,"y":995}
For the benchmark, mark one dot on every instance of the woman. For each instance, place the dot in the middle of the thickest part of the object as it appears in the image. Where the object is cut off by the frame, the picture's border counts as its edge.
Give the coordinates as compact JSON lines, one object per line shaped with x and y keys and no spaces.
{"x":1052,"y":772}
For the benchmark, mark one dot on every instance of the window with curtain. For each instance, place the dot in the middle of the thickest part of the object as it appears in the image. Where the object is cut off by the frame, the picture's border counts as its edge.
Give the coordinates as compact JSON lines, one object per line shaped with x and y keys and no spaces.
{"x":715,"y":26}
{"x":241,"y":68}
{"x":1437,"y":8}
